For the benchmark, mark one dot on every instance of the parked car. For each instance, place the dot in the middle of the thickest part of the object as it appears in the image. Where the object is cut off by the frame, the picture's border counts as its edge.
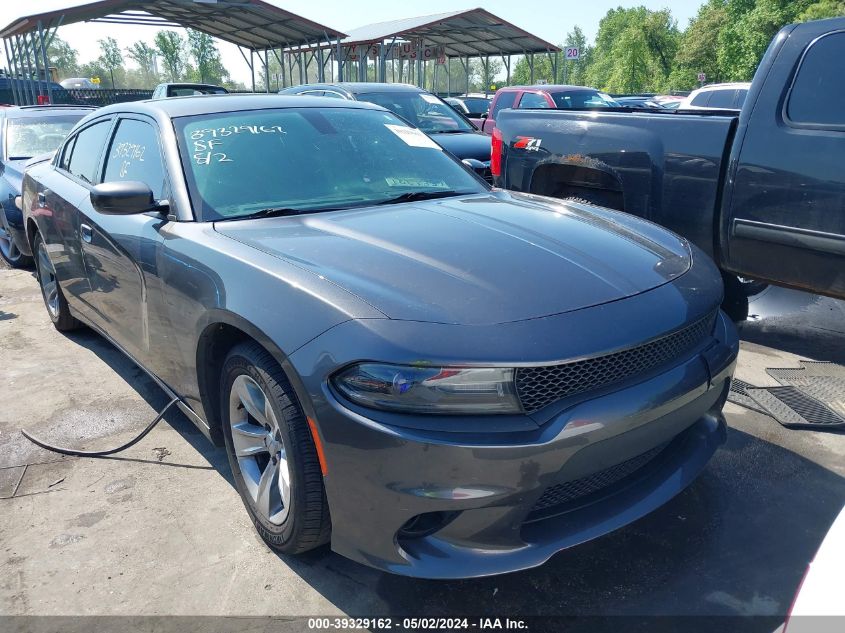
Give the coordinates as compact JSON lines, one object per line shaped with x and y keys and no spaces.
{"x":379,"y":337}
{"x":545,"y":96}
{"x":717,"y":97}
{"x":25,"y":132}
{"x":165,"y":90}
{"x":638,"y":101}
{"x":421,"y":109}
{"x":78,"y":83}
{"x":473,"y":107}
{"x":818,"y":602}
{"x":761,"y":192}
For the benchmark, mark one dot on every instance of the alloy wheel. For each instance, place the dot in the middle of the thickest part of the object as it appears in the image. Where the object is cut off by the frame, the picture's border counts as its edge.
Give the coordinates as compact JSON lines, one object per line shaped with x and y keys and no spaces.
{"x":47,"y":279}
{"x":260,"y":450}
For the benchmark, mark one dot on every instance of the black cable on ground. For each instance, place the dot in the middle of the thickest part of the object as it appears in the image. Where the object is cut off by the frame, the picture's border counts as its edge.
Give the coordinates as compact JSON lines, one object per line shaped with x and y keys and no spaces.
{"x":111,"y":451}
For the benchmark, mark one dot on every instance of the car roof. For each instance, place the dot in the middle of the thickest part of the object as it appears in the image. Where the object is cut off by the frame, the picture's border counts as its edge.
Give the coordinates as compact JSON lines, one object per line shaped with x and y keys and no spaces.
{"x":36,"y":111}
{"x":362,"y":87}
{"x":188,"y":84}
{"x":725,"y":86}
{"x":548,"y":87}
{"x":212,"y":104}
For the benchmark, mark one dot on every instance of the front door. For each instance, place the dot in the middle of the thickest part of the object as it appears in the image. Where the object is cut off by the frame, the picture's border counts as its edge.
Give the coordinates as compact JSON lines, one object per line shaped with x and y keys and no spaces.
{"x":786,"y":219}
{"x":64,"y":190}
{"x":121,"y":251}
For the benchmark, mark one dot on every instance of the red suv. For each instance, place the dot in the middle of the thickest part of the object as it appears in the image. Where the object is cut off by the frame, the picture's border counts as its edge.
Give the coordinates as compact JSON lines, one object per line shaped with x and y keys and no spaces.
{"x":544,"y":96}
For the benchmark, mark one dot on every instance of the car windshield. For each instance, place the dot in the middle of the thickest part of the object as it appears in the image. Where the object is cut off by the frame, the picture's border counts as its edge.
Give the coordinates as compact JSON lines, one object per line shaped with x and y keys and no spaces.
{"x":299,"y":160}
{"x":31,"y":136}
{"x":574,"y":99}
{"x":421,"y":109}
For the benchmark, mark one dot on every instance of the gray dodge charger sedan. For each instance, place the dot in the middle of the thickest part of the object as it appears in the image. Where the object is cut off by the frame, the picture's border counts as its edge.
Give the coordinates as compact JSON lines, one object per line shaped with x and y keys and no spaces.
{"x":439,"y":378}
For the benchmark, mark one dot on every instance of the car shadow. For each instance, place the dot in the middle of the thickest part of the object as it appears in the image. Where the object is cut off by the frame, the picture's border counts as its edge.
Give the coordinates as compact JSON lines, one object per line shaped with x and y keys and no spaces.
{"x":156,"y":398}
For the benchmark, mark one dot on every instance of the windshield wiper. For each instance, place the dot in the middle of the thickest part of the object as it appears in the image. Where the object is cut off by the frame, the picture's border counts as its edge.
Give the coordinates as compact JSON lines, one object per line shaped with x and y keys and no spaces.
{"x":450,"y":131}
{"x":413,"y":196}
{"x":271,"y":212}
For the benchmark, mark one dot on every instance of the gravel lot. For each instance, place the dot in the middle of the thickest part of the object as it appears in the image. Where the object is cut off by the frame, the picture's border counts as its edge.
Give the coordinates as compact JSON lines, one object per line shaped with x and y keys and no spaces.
{"x":159,"y":529}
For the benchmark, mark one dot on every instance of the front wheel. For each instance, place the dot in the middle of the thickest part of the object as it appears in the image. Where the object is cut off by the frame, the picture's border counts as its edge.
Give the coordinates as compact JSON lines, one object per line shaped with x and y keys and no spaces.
{"x":271,"y":453}
{"x":54,"y":299}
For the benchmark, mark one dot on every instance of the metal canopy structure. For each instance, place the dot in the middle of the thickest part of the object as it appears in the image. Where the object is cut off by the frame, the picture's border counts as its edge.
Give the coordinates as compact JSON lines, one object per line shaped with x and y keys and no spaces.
{"x":437,"y":38}
{"x":255,"y":26}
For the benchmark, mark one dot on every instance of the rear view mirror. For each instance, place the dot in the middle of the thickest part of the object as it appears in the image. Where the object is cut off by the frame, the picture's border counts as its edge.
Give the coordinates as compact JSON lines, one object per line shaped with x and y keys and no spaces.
{"x":123,"y":198}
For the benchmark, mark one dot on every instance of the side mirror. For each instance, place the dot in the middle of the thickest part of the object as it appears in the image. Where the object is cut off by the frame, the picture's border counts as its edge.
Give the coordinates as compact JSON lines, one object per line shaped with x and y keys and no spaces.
{"x":123,"y":198}
{"x":485,"y":115}
{"x":477,"y":166}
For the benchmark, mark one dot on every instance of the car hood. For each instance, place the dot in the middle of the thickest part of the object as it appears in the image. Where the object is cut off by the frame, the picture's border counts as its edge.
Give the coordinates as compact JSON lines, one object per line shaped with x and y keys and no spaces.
{"x":465,"y":145}
{"x":481,"y":259}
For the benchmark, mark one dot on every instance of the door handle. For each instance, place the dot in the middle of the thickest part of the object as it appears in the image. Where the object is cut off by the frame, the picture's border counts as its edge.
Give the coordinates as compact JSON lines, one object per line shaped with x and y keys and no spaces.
{"x":86,"y":232}
{"x":42,"y":199}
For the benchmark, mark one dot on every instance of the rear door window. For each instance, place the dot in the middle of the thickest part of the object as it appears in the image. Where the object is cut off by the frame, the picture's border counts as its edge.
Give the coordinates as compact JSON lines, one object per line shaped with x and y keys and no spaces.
{"x":505,"y":100}
{"x":818,"y":93}
{"x":722,"y":99}
{"x":134,"y":154}
{"x":701,"y":99}
{"x":86,"y":152}
{"x":533,"y":100}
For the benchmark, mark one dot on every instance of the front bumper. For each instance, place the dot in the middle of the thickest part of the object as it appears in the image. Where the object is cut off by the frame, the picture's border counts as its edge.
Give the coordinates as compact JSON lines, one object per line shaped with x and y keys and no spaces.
{"x":486,"y":485}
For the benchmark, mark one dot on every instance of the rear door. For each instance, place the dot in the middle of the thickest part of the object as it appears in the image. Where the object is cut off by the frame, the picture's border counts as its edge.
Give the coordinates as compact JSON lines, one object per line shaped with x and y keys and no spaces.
{"x":503,"y":100}
{"x":786,"y":219}
{"x":120,"y":251}
{"x":65,"y":189}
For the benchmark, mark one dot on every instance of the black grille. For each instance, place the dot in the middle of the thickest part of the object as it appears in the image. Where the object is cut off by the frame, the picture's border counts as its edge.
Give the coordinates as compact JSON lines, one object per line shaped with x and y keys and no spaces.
{"x":540,"y":386}
{"x":569,"y":491}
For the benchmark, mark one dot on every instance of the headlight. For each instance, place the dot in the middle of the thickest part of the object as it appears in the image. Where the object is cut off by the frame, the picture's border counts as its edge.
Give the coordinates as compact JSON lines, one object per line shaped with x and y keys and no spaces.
{"x":434,"y":390}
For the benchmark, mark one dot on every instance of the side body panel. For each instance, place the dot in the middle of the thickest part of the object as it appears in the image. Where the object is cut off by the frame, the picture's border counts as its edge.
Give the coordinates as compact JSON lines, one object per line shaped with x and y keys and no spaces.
{"x":783,"y":217}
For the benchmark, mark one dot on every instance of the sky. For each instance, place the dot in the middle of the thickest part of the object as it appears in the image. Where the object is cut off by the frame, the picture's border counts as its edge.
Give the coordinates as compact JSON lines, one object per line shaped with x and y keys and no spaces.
{"x":548,"y":19}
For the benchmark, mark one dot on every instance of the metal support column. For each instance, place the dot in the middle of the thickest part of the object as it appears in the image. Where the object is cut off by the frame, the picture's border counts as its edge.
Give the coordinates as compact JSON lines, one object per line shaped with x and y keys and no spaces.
{"x":531,"y":66}
{"x":43,"y":43}
{"x":13,"y":78}
{"x":23,"y":51}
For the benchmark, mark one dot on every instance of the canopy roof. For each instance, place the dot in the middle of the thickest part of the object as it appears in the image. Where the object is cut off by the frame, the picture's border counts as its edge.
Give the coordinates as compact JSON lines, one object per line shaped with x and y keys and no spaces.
{"x":472,"y":32}
{"x":253,"y":24}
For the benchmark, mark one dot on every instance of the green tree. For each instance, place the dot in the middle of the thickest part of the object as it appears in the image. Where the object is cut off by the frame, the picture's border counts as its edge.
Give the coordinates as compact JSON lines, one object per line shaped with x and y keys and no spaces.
{"x":63,"y":56}
{"x":146,"y":57}
{"x":823,"y":9}
{"x":171,"y":48}
{"x":751,"y":25}
{"x":697,"y":50}
{"x":209,"y":67}
{"x":574,"y":72}
{"x":110,"y":57}
{"x":634,"y":50}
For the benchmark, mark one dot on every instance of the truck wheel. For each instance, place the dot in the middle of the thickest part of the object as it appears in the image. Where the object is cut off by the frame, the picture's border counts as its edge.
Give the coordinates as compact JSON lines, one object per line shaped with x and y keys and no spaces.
{"x":735,"y":302}
{"x":273,"y":458}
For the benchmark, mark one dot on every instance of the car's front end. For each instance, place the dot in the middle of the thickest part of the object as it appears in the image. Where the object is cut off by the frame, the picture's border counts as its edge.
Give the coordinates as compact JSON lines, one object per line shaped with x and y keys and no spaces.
{"x":509,"y":423}
{"x":447,"y":496}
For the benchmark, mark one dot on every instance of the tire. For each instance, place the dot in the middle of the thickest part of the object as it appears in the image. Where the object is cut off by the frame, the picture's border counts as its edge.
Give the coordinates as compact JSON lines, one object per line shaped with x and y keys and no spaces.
{"x":294,"y":520}
{"x":8,"y":250}
{"x":54,"y":300}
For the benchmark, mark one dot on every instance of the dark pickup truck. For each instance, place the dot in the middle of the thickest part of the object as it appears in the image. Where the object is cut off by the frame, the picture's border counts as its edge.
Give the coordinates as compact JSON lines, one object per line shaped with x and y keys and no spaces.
{"x":763,"y":192}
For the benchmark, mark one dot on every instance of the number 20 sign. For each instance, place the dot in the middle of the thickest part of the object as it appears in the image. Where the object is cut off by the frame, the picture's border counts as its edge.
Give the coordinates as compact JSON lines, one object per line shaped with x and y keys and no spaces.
{"x":573,"y":52}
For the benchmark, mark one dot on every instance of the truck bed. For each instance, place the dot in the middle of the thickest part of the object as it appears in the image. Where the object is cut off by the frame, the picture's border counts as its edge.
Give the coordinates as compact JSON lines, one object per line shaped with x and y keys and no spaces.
{"x":669,"y":171}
